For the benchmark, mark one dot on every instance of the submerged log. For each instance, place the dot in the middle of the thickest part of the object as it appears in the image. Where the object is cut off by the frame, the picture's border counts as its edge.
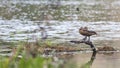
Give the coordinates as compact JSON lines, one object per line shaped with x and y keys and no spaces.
{"x":86,"y":42}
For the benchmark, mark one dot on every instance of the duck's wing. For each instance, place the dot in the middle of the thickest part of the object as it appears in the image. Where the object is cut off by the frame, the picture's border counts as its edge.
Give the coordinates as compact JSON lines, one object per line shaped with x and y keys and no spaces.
{"x":92,"y":32}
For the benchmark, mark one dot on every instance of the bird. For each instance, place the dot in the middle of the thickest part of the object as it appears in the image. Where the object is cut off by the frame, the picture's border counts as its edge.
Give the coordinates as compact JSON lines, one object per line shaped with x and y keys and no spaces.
{"x":43,"y":33}
{"x":87,"y":33}
{"x":77,"y":9}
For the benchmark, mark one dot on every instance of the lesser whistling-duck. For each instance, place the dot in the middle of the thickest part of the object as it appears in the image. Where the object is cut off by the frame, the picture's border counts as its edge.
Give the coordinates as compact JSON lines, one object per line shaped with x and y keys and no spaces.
{"x":87,"y":33}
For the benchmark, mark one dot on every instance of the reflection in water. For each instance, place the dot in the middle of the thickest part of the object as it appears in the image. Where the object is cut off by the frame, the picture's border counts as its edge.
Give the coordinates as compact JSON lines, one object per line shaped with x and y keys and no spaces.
{"x":89,"y":63}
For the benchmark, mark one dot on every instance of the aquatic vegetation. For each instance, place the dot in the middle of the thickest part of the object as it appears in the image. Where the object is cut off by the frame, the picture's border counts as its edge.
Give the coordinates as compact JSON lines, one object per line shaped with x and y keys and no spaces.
{"x":38,"y":62}
{"x":25,"y":61}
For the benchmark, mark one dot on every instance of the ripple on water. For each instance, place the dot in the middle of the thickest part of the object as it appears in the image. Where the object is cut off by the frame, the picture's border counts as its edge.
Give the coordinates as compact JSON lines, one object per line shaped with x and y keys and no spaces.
{"x":63,"y":30}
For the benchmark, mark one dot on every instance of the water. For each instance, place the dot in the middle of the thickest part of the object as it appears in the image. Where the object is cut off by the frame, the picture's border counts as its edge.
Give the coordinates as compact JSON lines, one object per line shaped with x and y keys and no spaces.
{"x":65,"y":30}
{"x":19,"y":19}
{"x":97,"y":61}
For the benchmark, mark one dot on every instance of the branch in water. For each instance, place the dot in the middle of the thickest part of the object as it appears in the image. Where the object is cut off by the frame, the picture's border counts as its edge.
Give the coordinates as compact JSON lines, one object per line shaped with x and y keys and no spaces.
{"x":86,"y":42}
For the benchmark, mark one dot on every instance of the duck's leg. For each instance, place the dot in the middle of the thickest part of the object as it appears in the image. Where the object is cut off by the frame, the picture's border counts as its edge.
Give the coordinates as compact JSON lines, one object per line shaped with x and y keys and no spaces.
{"x":88,"y":38}
{"x":85,"y":38}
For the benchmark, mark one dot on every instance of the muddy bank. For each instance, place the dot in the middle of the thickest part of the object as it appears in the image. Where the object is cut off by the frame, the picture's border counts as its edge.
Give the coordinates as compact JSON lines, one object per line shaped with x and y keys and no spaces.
{"x":67,"y":47}
{"x":112,"y":43}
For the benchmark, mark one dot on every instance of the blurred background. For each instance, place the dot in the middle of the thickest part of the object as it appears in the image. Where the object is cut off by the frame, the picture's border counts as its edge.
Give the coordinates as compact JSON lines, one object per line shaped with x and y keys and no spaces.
{"x":20,"y":19}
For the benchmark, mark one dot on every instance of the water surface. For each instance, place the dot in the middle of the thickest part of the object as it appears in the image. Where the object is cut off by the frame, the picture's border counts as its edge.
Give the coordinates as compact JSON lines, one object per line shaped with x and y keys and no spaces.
{"x":99,"y":61}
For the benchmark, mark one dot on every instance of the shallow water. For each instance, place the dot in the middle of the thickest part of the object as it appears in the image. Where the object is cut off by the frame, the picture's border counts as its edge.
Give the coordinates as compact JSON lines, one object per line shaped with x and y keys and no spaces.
{"x":99,"y":61}
{"x":65,"y":30}
{"x":18,"y":19}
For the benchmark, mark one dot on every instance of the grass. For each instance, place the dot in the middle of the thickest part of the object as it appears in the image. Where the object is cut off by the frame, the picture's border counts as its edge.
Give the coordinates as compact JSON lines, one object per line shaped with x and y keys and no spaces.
{"x":26,"y":61}
{"x":38,"y":62}
{"x":30,"y":56}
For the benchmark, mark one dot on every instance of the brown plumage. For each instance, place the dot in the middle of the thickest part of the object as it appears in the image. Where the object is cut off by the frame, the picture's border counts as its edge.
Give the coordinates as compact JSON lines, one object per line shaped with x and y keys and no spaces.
{"x":87,"y":33}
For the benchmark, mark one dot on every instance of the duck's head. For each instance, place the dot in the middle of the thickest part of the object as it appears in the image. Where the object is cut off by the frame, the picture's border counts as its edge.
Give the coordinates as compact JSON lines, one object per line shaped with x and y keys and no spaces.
{"x":85,"y":28}
{"x":81,"y":28}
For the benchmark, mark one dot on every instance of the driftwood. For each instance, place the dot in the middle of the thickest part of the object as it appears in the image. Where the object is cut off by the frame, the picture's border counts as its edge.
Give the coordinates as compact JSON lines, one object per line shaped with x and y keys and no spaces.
{"x":86,"y":42}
